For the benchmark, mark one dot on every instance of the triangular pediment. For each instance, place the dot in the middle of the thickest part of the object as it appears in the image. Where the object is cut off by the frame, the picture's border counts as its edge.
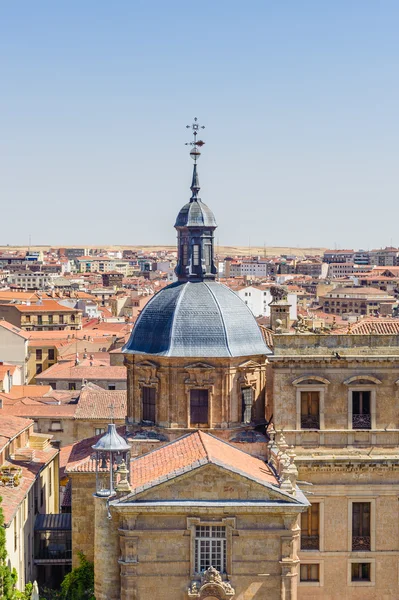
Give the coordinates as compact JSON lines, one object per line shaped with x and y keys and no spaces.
{"x":199,"y":365}
{"x":211,"y":482}
{"x":249,"y":364}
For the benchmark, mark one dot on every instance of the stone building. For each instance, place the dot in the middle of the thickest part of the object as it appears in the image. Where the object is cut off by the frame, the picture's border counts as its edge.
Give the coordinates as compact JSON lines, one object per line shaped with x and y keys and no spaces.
{"x":336,"y":398}
{"x":208,"y":508}
{"x":241,"y":472}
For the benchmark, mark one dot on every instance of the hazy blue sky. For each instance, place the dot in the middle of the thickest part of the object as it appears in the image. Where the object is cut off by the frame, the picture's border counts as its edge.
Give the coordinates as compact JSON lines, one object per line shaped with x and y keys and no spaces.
{"x":300,"y":100}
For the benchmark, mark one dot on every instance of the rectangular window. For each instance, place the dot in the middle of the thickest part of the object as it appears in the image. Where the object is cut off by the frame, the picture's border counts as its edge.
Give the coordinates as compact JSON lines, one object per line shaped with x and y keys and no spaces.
{"x":199,"y":408}
{"x":148,"y":400}
{"x":39,"y":320}
{"x":247,"y":395}
{"x":111,"y":387}
{"x":27,"y":318}
{"x":50,"y":319}
{"x":72,"y":386}
{"x":361,"y":572}
{"x":361,"y":414}
{"x":53,"y":384}
{"x":39,"y":354}
{"x":310,"y":412}
{"x":61,"y":319}
{"x":99,"y":430}
{"x":196,"y":255}
{"x":55,"y":426}
{"x":310,"y":528}
{"x":210,"y":548}
{"x":39,"y":369}
{"x":185,"y":254}
{"x":361,"y":521}
{"x":310,"y":572}
{"x":51,"y":354}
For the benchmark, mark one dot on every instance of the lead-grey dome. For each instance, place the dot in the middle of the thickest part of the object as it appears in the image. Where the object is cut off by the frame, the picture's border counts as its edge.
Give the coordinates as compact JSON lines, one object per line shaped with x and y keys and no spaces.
{"x":198,"y":319}
{"x":195,"y":214}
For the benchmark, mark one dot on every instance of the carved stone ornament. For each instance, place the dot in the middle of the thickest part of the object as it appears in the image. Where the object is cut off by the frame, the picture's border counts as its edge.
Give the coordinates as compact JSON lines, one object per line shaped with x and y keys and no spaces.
{"x":212,"y":587}
{"x":199,"y":375}
{"x":147,"y":373}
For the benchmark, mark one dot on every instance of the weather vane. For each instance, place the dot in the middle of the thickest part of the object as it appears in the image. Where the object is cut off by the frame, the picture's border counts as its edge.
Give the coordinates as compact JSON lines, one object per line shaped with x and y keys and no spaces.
{"x":196,"y":144}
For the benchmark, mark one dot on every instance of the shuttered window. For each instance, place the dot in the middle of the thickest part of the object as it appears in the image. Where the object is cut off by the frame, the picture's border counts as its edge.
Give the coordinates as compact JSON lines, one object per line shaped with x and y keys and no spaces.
{"x":310,"y":411}
{"x":199,"y":408}
{"x":148,"y":396}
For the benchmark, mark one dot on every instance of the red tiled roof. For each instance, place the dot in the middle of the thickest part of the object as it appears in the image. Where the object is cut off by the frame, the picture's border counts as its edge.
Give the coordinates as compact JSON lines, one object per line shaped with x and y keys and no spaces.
{"x":67,"y":498}
{"x":192,"y":451}
{"x":267,"y":336}
{"x":94,"y":403}
{"x":47,"y":305}
{"x":33,"y":409}
{"x":12,"y":497}
{"x":10,"y":426}
{"x":70,"y":371}
{"x":376,"y":326}
{"x":33,"y":391}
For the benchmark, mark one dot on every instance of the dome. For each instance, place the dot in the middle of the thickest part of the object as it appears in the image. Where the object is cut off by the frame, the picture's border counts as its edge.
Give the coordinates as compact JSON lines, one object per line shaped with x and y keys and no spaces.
{"x":195,"y":214}
{"x":198,"y":319}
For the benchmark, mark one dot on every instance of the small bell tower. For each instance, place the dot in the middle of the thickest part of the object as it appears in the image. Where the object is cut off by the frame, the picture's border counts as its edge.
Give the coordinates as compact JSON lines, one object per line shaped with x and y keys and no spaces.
{"x":195,"y":225}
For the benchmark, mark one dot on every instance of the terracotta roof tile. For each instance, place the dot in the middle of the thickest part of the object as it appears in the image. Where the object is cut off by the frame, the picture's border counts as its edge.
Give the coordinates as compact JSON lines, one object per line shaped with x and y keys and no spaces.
{"x":12,"y":497}
{"x":94,"y":403}
{"x":192,"y":451}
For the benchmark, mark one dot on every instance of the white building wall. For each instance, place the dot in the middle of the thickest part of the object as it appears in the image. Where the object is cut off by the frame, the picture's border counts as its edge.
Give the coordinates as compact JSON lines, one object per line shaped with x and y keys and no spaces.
{"x":14,"y":350}
{"x":258,"y":301}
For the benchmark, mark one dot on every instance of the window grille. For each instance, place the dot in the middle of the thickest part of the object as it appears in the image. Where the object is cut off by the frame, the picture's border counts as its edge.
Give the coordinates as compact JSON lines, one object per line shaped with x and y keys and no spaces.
{"x":361,"y":415}
{"x":210,"y":548}
{"x":361,"y":513}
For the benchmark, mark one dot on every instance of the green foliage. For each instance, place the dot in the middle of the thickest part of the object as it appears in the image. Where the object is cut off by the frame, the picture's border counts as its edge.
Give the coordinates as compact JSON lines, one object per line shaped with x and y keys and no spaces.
{"x":79,"y":583}
{"x":26,"y":595}
{"x":8,"y":577}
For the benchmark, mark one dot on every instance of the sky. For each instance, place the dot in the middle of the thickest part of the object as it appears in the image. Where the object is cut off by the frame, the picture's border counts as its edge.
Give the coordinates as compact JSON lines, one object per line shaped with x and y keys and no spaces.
{"x":300,"y":102}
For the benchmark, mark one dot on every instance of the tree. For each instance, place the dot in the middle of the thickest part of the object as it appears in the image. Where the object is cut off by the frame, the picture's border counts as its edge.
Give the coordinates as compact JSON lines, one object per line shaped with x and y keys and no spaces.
{"x":8,"y":577}
{"x":79,"y":583}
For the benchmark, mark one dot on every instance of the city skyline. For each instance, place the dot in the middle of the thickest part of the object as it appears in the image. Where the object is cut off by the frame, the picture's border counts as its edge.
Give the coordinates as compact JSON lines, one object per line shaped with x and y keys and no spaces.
{"x":300,"y":144}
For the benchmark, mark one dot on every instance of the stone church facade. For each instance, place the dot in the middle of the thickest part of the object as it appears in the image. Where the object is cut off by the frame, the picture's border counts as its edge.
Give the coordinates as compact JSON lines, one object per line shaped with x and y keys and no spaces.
{"x":241,"y":472}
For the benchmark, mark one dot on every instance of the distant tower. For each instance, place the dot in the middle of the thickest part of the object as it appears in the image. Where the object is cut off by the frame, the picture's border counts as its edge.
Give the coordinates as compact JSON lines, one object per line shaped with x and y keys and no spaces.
{"x":279,"y":310}
{"x":195,"y":225}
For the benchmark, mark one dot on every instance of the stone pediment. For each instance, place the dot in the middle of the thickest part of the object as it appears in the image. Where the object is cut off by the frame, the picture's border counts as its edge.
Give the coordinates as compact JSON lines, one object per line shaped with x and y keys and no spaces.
{"x":249,"y":364}
{"x":199,"y":365}
{"x":209,"y":482}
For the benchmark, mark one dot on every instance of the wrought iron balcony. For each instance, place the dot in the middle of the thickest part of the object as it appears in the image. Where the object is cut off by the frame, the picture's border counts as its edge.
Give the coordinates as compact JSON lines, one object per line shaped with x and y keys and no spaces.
{"x":361,"y":543}
{"x":310,"y":422}
{"x":309,"y":542}
{"x":361,"y":421}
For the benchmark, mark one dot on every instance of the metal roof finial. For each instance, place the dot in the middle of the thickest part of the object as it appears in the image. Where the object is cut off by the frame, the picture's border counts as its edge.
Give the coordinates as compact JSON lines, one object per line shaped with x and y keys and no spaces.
{"x":195,"y":144}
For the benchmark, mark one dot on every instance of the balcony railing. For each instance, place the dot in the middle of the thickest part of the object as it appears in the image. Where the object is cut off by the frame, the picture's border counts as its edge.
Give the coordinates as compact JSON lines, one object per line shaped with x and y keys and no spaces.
{"x":361,"y":421}
{"x":310,"y":422}
{"x":53,"y":552}
{"x":309,"y":542}
{"x":361,"y":542}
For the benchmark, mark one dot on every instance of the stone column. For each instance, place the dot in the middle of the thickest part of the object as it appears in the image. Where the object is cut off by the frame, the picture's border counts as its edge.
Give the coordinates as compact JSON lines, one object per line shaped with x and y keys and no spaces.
{"x":106,"y":553}
{"x":289,"y":558}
